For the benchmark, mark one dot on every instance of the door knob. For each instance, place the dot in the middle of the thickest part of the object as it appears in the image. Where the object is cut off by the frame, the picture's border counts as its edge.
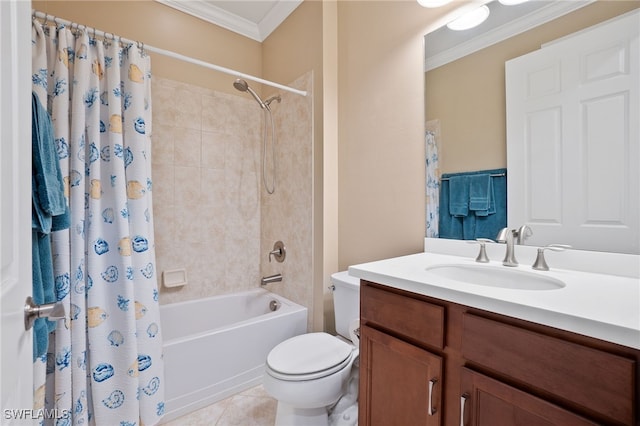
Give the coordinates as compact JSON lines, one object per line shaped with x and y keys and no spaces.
{"x":53,"y":311}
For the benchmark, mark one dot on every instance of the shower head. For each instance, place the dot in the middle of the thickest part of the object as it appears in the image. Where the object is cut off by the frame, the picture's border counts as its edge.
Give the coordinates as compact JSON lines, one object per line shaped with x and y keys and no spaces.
{"x":243,"y":86}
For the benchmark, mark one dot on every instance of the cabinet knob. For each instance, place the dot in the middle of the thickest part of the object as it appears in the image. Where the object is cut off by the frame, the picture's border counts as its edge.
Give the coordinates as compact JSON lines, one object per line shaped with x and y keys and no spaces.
{"x":432,"y":409}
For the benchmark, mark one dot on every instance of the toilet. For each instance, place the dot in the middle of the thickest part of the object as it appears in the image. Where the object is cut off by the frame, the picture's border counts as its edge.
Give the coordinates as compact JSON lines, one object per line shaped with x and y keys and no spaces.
{"x":314,"y":376}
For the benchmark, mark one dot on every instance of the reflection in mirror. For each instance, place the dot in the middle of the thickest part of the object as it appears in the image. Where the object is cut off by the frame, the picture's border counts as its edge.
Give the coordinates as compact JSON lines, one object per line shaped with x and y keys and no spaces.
{"x":465,"y":93}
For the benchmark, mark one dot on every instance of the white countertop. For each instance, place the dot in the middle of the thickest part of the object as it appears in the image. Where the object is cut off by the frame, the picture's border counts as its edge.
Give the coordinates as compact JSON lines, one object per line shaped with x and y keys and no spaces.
{"x":599,"y":305}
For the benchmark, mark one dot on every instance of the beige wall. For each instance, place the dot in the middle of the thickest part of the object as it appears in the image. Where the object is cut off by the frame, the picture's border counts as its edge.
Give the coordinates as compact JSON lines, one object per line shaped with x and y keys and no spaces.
{"x":471,"y":105}
{"x":381,"y":128}
{"x":329,"y":167}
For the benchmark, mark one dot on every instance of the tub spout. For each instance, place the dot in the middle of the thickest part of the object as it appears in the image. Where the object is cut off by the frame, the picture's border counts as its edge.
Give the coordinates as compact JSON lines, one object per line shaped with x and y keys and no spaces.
{"x":271,"y":279}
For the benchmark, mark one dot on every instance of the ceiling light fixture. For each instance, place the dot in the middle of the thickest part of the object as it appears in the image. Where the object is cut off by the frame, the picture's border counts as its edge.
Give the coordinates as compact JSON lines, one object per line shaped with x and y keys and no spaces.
{"x":470,"y":19}
{"x":511,"y":2}
{"x":433,"y":3}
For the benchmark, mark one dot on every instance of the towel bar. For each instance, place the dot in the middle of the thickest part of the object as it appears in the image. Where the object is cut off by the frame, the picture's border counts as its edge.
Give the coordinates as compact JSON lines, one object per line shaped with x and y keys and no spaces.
{"x":493,"y":175}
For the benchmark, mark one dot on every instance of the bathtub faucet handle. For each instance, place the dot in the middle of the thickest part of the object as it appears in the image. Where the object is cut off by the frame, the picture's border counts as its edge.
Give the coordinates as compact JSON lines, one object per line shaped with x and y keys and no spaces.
{"x":279,"y":252}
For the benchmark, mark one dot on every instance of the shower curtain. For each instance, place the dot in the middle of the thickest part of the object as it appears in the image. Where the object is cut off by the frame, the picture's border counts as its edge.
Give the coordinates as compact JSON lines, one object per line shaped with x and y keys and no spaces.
{"x":104,"y":363}
{"x":432,"y":184}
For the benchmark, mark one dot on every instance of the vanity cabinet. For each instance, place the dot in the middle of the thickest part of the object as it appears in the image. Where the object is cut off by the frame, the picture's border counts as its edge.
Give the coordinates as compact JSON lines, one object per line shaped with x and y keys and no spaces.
{"x":401,"y":381}
{"x":488,"y":402}
{"x":426,"y":361}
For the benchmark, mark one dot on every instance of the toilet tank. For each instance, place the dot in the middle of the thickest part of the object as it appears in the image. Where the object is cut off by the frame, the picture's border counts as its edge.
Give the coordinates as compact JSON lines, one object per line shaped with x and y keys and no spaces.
{"x":346,"y":301}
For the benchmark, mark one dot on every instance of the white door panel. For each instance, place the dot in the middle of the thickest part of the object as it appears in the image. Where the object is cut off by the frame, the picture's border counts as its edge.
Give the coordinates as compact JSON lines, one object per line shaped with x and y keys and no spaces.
{"x":16,"y":368}
{"x":573,"y":139}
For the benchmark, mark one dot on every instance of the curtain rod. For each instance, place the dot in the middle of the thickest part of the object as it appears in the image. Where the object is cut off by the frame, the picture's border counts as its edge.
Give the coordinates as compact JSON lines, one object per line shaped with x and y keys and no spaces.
{"x":46,"y":17}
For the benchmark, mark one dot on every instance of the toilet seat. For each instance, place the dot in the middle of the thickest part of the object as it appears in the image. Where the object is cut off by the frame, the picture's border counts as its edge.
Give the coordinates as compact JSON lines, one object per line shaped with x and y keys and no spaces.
{"x":308,"y":356}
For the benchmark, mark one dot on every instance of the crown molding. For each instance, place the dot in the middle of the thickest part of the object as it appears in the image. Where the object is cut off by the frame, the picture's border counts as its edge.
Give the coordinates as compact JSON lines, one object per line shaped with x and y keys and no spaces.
{"x":276,"y":16}
{"x":232,"y":22}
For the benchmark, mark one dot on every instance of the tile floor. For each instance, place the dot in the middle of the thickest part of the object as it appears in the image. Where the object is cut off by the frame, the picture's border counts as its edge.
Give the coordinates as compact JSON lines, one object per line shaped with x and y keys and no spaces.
{"x":253,"y":407}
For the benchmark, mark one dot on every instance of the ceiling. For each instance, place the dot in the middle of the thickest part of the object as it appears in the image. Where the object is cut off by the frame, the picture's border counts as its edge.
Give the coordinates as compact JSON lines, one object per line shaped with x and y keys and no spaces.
{"x":255,"y":19}
{"x":444,"y":45}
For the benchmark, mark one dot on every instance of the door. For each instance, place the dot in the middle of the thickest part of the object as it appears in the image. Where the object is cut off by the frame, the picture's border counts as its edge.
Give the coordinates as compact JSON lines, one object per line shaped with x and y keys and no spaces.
{"x":573,"y":139}
{"x":488,"y":402}
{"x":400,"y":384}
{"x":16,"y":369}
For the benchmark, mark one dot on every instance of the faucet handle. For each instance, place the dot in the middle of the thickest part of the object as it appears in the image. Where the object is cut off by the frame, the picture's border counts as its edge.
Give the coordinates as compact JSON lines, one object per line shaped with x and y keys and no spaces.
{"x":540,"y":264}
{"x":279,"y":252}
{"x":523,"y":233}
{"x":482,"y":255}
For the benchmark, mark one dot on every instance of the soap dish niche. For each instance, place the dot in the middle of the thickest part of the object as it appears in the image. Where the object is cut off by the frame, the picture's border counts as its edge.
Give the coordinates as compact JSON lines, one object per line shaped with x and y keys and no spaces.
{"x":174,"y":278}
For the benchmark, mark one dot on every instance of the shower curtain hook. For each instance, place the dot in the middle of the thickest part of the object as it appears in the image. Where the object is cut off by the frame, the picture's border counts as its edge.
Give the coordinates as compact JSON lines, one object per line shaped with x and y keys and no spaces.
{"x":46,"y":19}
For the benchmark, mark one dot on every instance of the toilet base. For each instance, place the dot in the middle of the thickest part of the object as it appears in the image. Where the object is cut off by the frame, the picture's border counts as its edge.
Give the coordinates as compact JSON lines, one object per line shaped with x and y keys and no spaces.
{"x":286,"y":415}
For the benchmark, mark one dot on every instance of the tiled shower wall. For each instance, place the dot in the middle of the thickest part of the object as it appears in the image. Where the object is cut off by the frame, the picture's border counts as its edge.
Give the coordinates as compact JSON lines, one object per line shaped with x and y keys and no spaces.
{"x":206,"y":196}
{"x":287,"y":213}
{"x":212,"y":216}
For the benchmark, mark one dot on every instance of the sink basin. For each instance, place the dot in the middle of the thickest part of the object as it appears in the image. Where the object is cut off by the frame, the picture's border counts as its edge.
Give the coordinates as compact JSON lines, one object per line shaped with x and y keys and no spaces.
{"x":490,"y":276}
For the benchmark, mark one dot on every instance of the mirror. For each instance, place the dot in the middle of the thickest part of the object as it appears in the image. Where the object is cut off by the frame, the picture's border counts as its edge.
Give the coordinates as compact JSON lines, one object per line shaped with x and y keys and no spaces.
{"x":465,"y":76}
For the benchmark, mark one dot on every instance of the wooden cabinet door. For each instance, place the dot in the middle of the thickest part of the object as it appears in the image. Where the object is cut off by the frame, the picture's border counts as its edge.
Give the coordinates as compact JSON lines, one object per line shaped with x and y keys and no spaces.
{"x":488,"y":402}
{"x":400,"y":384}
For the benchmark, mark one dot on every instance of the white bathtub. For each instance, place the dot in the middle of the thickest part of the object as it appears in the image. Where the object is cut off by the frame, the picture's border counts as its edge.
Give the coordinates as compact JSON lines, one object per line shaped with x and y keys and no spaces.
{"x":217,"y":346}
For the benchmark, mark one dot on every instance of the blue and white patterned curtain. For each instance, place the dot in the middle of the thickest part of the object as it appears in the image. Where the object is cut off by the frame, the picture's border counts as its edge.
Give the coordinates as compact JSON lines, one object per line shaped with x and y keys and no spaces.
{"x":432,"y":184}
{"x":104,"y":364}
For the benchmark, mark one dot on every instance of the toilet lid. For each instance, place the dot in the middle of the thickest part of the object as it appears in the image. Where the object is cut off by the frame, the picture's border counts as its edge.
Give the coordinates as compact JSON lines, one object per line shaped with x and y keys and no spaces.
{"x":308,"y":353}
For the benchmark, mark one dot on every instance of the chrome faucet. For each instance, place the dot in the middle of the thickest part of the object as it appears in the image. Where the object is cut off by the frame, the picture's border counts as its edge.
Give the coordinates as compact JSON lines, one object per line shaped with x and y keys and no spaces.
{"x":507,"y":236}
{"x":270,"y":279}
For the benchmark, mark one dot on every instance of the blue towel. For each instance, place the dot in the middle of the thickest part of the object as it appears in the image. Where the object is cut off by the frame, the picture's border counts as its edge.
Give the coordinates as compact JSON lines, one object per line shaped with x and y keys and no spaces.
{"x":496,"y":219}
{"x":459,"y":195}
{"x":481,"y":194}
{"x":474,"y":226}
{"x":48,"y":189}
{"x":43,"y":289}
{"x":449,"y":226}
{"x":49,"y":213}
